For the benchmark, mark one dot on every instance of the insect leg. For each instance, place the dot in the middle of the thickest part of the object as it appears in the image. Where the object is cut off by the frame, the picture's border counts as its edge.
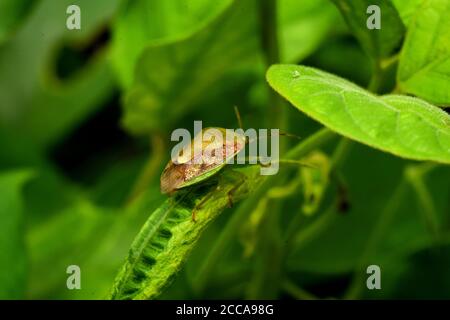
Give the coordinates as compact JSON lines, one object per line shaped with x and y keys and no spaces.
{"x":231,"y":192}
{"x":200,"y":205}
{"x":239,"y":178}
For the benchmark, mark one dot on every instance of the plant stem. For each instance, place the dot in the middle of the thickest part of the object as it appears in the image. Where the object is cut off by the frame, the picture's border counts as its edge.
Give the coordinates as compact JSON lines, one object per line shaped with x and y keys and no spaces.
{"x":265,"y":278}
{"x":228,"y":234}
{"x":269,"y":43}
{"x":414,"y":175}
{"x":314,"y":141}
{"x":380,"y":68}
{"x":300,"y":239}
{"x":340,"y":153}
{"x":269,"y":31}
{"x":377,"y":78}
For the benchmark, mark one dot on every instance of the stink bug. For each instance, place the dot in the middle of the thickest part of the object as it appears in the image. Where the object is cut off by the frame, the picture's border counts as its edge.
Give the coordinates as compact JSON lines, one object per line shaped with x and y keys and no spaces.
{"x":186,"y":171}
{"x":193,"y":167}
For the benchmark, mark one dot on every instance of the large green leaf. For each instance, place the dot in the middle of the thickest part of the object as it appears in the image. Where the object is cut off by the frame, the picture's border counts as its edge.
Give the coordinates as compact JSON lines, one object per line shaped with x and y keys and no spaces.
{"x":424,"y":68}
{"x":12,"y":245}
{"x":378,"y":43}
{"x":172,"y":78}
{"x":143,"y":23}
{"x":404,"y":126}
{"x":169,"y":235}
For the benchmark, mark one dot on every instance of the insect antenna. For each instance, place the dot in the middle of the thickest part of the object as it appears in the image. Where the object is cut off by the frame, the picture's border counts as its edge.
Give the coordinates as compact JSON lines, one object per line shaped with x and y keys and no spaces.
{"x":281,"y":133}
{"x":290,"y":135}
{"x":238,"y":117}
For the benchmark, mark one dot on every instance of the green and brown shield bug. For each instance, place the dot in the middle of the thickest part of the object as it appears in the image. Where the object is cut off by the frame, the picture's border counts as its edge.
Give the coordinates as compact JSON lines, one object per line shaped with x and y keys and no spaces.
{"x":185,"y":171}
{"x":199,"y":160}
{"x":193,"y":166}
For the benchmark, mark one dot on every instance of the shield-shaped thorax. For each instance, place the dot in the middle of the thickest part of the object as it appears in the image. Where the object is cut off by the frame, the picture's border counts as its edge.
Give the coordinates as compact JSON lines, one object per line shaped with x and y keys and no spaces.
{"x":204,"y":156}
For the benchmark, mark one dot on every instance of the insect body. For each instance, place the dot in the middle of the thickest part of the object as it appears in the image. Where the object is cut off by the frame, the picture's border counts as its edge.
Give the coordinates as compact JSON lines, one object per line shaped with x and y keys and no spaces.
{"x":190,"y":168}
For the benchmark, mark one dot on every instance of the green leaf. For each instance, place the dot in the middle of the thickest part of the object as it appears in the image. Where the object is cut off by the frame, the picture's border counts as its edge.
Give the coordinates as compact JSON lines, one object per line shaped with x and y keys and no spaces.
{"x":93,"y":237}
{"x":144,"y":23}
{"x":424,"y":68}
{"x":56,"y":109}
{"x":35,"y":103}
{"x":377,"y":43}
{"x":169,"y":235}
{"x":407,"y":9}
{"x":67,"y":238}
{"x":174,"y":77}
{"x":11,"y":12}
{"x":12,"y":245}
{"x":404,"y":126}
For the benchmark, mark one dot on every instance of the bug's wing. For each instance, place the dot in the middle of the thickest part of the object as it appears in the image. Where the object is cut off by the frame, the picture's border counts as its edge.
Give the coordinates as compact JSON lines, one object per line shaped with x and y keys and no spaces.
{"x":172,"y":177}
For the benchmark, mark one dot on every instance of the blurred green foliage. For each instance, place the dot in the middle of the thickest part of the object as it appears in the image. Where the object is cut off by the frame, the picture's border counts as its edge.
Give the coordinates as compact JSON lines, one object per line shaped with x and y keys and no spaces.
{"x":85,"y":123}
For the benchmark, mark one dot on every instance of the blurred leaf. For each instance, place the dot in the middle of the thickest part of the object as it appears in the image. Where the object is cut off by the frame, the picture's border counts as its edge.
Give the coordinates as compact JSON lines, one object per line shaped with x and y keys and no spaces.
{"x":145,"y":23}
{"x":31,"y":95}
{"x":303,"y":26}
{"x":102,"y":265}
{"x":56,"y":109}
{"x":377,"y":43}
{"x":92,"y":237}
{"x":11,"y":14}
{"x":66,"y":239}
{"x":172,"y":78}
{"x":12,"y":246}
{"x":169,"y":235}
{"x":381,"y":122}
{"x":424,"y":68}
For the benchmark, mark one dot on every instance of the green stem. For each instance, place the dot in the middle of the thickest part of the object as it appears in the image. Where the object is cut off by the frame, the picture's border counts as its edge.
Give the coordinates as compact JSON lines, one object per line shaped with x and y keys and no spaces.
{"x":269,"y":30}
{"x":414,"y":176}
{"x":314,"y":141}
{"x":340,"y":153}
{"x":377,"y":78}
{"x":270,"y":46}
{"x":264,"y":282}
{"x":228,"y":234}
